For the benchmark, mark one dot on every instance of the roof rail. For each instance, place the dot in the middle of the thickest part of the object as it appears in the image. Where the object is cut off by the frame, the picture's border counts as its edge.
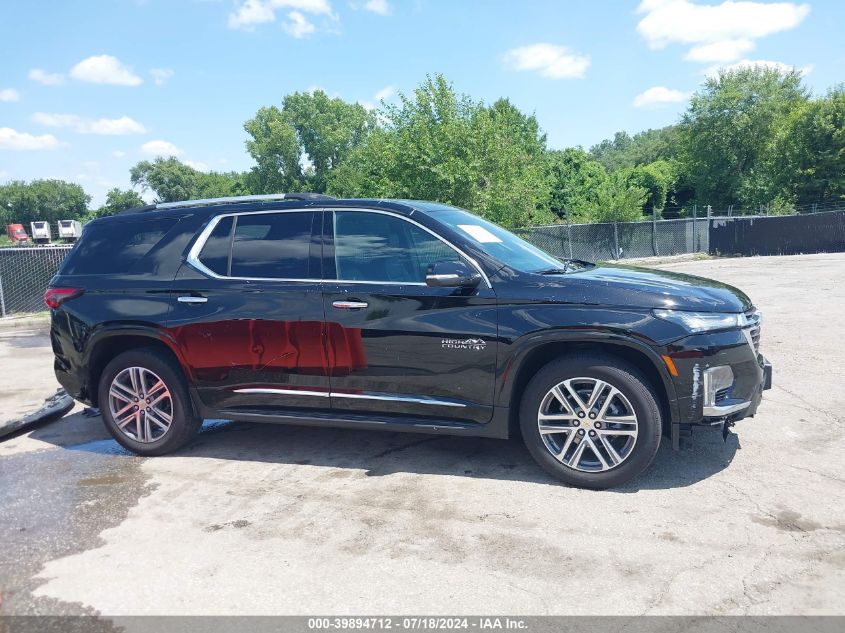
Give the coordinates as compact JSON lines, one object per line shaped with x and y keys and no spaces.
{"x":148,"y":207}
{"x":237,"y":199}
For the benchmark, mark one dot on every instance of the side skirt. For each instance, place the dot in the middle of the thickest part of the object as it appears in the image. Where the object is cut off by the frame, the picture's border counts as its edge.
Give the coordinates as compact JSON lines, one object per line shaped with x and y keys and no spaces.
{"x":496,"y":428}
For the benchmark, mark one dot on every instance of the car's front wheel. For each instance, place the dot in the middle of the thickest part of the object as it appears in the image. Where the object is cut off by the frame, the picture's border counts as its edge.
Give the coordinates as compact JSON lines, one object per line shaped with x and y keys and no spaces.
{"x":145,"y":404}
{"x":592,"y":421}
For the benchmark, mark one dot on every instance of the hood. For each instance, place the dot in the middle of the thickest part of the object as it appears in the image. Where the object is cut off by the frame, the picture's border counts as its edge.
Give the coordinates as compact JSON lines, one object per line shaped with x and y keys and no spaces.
{"x":617,"y":285}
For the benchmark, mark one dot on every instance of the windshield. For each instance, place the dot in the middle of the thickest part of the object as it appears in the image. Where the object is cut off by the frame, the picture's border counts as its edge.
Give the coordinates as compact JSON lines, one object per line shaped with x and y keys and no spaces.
{"x":497,"y":242}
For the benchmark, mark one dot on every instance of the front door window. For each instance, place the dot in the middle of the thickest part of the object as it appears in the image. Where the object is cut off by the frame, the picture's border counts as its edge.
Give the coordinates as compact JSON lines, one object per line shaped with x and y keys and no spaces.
{"x":384,"y":248}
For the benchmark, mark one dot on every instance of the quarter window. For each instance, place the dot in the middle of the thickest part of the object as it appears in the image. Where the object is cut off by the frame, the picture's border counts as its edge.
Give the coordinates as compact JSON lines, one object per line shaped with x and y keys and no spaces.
{"x":118,"y":247}
{"x":215,"y":252}
{"x":272,"y":245}
{"x":385,"y":248}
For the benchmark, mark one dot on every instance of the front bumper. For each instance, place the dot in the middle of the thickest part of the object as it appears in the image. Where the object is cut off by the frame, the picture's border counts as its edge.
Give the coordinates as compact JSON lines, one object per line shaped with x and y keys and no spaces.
{"x":695,"y":354}
{"x":731,"y":408}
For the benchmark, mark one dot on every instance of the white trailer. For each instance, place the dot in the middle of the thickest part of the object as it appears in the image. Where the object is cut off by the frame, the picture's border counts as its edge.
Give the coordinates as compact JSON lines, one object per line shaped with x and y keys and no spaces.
{"x":40,"y":232}
{"x":70,"y":230}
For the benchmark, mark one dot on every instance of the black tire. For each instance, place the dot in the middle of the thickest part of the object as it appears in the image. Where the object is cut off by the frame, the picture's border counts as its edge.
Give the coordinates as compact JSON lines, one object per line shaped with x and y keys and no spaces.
{"x":620,"y":374}
{"x":185,"y":423}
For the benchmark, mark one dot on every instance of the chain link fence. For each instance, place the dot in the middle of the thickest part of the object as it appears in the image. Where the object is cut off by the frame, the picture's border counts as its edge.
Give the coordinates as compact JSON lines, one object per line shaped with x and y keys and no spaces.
{"x":620,"y":240}
{"x":24,"y":275}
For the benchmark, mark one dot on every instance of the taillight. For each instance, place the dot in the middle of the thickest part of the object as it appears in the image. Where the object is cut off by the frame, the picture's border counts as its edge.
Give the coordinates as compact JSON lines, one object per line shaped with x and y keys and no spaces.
{"x":54,"y":297}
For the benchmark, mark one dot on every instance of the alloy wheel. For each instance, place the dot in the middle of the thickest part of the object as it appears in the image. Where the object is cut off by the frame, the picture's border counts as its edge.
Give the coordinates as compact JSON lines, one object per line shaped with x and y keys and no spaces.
{"x":140,"y":404}
{"x":587,"y":424}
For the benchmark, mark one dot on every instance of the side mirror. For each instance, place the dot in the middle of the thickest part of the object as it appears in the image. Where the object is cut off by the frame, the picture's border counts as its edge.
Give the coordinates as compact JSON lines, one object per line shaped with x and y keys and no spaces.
{"x":451,"y":275}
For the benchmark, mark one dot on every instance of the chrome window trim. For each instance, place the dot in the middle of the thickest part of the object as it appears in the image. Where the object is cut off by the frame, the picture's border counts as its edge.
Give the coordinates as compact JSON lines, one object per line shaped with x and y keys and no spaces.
{"x":194,"y":261}
{"x":410,"y":221}
{"x":193,"y":254}
{"x":376,"y":283}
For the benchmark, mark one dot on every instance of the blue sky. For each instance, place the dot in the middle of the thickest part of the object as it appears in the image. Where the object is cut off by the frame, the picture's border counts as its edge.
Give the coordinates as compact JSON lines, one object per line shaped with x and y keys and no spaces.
{"x":88,"y":88}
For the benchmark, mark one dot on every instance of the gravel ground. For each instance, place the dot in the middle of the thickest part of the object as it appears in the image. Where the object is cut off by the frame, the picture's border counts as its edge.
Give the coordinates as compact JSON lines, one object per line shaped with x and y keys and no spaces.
{"x":283,"y":520}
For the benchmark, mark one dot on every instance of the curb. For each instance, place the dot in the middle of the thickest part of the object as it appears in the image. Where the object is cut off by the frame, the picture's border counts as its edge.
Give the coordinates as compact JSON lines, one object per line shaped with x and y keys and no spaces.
{"x":659,"y":260}
{"x":53,"y":408}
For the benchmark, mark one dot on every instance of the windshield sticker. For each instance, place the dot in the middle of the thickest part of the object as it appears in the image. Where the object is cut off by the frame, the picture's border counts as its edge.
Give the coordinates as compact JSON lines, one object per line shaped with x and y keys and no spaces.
{"x":479,"y":234}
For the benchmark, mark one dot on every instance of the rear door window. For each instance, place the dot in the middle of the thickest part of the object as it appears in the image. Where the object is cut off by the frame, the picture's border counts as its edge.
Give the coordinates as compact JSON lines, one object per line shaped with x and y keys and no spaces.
{"x":273,"y":246}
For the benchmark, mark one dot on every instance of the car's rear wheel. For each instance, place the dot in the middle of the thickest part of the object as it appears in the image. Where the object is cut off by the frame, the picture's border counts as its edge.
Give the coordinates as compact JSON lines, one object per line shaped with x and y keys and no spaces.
{"x":591,"y":421}
{"x":144,"y":401}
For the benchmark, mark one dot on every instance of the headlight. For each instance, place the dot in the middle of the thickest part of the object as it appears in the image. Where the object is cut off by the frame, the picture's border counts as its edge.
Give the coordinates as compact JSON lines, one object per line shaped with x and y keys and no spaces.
{"x":702,"y":321}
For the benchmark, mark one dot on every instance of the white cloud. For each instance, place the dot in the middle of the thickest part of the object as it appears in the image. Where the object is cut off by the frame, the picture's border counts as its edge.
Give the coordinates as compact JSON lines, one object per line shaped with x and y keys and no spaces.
{"x":161,"y":75}
{"x":550,"y":60}
{"x":198,"y":165}
{"x":253,"y":12}
{"x":685,"y":22}
{"x":250,"y":13}
{"x":21,"y":141}
{"x":384,"y":93}
{"x":378,"y":6}
{"x":4,"y":175}
{"x":81,"y":125}
{"x":118,"y":153}
{"x":724,"y":51}
{"x":380,"y":95}
{"x":9,"y":95}
{"x":160,"y":148}
{"x":298,"y":25}
{"x":105,"y":69}
{"x":713,"y":71}
{"x":657,"y":96}
{"x":43,"y":77}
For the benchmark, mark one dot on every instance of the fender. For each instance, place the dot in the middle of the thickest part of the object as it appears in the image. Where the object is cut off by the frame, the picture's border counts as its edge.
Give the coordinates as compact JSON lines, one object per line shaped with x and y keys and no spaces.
{"x":519,"y":350}
{"x":149,"y":330}
{"x":121,"y":329}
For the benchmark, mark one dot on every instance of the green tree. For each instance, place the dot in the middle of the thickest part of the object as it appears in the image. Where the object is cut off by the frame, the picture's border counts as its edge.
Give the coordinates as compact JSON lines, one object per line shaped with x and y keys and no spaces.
{"x":618,"y":200}
{"x":574,"y":180}
{"x":624,"y":151}
{"x":809,"y":155}
{"x":657,"y":178}
{"x":171,"y":181}
{"x":310,"y":130}
{"x":47,"y":200}
{"x":118,"y":200}
{"x":728,"y":133}
{"x":511,"y":187}
{"x":440,"y":145}
{"x":276,"y":151}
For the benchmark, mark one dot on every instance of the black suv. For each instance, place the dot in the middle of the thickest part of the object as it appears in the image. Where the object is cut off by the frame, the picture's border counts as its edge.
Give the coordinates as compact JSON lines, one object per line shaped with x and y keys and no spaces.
{"x":393,"y":314}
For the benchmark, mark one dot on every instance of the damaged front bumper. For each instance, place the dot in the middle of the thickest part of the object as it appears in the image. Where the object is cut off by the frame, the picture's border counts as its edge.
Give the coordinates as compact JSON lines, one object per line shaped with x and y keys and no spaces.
{"x":737,"y":408}
{"x":721,"y":379}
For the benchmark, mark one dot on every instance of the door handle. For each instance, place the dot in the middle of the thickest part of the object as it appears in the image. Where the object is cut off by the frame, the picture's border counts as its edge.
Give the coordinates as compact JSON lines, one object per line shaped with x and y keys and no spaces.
{"x":190,"y":299}
{"x":350,"y":305}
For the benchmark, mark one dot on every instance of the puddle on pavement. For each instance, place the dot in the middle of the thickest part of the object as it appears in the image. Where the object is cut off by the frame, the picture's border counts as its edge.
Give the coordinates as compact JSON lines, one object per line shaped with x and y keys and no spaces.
{"x":56,"y":503}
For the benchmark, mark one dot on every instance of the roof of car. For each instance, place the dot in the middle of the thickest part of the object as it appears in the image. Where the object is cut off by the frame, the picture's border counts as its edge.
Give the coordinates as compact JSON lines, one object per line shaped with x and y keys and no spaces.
{"x":235,"y":204}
